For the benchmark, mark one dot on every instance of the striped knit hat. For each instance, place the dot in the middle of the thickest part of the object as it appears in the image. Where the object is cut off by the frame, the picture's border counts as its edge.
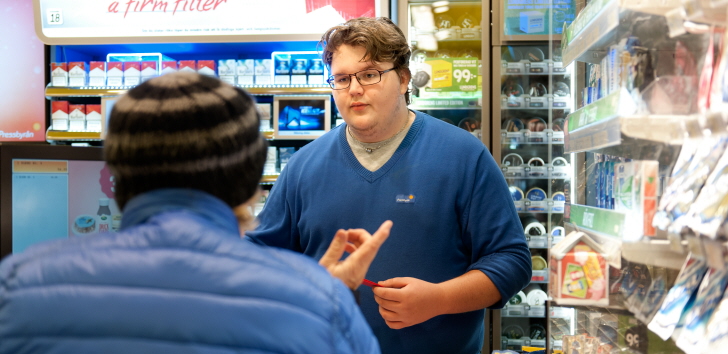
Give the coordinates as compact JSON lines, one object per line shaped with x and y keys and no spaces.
{"x":185,"y":130}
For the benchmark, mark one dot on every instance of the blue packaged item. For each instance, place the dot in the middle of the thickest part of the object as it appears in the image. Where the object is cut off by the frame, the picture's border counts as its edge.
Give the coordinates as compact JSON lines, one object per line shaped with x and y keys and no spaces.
{"x":710,"y":293}
{"x":597,"y":179}
{"x":680,"y":296}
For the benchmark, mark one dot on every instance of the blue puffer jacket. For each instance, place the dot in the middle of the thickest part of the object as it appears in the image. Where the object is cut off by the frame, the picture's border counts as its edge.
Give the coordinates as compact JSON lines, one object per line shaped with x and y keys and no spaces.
{"x":176,"y":279}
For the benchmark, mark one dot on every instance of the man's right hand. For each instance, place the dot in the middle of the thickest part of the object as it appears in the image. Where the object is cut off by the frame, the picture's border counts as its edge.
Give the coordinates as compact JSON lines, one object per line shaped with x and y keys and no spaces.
{"x":362,"y":248}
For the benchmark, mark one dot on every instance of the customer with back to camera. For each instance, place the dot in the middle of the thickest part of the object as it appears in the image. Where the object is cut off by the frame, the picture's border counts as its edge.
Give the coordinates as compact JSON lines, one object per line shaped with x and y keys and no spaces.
{"x":457,"y":244}
{"x":185,"y":152}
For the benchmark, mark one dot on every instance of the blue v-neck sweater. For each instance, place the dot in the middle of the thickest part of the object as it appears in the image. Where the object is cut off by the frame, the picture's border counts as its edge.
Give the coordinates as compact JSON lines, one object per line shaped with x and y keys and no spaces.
{"x":451,"y":209}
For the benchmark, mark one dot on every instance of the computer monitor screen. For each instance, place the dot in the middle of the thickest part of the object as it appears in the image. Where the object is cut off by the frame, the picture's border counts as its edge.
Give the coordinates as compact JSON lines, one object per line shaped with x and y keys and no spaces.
{"x":301,"y":117}
{"x":53,"y":192}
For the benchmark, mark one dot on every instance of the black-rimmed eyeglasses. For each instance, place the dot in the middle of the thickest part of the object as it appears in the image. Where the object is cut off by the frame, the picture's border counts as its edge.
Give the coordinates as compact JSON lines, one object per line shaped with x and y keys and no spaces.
{"x":365,"y":78}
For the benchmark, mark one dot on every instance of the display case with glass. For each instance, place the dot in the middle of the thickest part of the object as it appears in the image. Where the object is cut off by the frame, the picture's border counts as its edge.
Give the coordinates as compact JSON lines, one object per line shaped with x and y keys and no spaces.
{"x":532,"y":94}
{"x":447,"y":62}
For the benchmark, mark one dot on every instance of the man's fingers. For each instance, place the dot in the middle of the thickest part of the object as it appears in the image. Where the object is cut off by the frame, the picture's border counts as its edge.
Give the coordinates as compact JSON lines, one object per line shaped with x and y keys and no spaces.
{"x":395,"y":283}
{"x":336,"y":249}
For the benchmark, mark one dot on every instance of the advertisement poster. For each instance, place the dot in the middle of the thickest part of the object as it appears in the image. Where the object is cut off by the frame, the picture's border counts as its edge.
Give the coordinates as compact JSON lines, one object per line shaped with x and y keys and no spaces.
{"x":184,"y":18}
{"x":537,"y":17}
{"x":22,"y":92}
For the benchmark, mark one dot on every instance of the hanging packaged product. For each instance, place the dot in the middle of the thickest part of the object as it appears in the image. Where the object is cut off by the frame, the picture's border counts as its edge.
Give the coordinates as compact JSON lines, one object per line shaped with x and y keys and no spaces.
{"x":678,"y":297}
{"x":710,"y":209}
{"x":655,"y":295}
{"x":683,"y":195}
{"x":684,"y":160}
{"x":578,"y":272}
{"x":717,"y":329}
{"x":634,"y":285}
{"x":692,"y":337}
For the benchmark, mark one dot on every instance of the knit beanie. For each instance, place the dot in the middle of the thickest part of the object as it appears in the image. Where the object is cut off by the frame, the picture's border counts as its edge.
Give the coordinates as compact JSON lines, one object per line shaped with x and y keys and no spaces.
{"x":185,"y":130}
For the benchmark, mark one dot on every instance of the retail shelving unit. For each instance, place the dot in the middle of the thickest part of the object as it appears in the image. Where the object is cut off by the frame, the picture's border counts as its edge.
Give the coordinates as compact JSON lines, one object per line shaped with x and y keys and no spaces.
{"x":615,"y":125}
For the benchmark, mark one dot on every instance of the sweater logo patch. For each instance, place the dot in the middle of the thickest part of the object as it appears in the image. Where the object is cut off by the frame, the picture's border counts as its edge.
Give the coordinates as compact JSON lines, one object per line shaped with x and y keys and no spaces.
{"x":405,"y":198}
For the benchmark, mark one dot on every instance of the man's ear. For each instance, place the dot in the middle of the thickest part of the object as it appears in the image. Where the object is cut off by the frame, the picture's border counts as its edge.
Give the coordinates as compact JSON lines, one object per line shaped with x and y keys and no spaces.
{"x":404,"y":77}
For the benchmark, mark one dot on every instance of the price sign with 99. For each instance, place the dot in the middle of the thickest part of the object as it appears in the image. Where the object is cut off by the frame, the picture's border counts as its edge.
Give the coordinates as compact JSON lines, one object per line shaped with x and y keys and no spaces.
{"x":54,"y":16}
{"x":462,"y":74}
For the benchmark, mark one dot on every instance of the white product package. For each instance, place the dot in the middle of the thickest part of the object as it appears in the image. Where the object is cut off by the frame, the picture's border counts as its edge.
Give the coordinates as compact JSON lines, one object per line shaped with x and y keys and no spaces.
{"x":667,"y":318}
{"x":692,"y":337}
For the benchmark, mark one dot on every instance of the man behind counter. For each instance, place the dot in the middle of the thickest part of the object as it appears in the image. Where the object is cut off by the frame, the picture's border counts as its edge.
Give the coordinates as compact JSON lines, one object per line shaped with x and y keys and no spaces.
{"x":457,"y":245}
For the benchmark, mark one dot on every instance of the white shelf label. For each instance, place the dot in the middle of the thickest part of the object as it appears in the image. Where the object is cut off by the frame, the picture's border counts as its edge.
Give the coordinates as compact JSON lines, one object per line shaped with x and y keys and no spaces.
{"x":54,"y":17}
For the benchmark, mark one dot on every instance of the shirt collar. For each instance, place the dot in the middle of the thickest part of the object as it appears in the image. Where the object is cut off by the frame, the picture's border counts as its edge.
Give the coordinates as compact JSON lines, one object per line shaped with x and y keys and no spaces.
{"x":140,"y":208}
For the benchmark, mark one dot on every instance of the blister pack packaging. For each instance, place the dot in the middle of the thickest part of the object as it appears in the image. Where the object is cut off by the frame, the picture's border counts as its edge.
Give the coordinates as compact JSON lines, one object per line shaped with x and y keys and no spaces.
{"x":691,"y":338}
{"x":680,"y":296}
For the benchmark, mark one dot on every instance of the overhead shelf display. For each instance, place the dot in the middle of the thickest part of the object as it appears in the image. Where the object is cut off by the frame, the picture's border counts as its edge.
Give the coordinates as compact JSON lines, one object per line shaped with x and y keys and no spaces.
{"x":609,"y":228}
{"x":610,"y":126}
{"x":602,"y":23}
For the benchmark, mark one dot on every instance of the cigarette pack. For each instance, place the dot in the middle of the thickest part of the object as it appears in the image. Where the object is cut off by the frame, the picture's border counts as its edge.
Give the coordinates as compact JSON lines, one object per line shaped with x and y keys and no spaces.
{"x":59,"y":115}
{"x":59,"y":74}
{"x":149,"y":70}
{"x":132,"y":73}
{"x":77,"y":74}
{"x":97,"y":73}
{"x":115,"y":73}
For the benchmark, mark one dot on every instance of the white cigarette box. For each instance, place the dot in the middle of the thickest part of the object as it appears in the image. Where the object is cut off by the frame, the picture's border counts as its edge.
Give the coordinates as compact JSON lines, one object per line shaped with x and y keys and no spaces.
{"x":169,"y":67}
{"x":77,"y":74}
{"x":132,"y":73}
{"x":97,"y":73}
{"x":263,"y":71}
{"x":76,"y":117}
{"x":226,"y":70}
{"x":59,"y":115}
{"x":115,"y":73}
{"x":206,"y":67}
{"x":93,"y":117}
{"x":59,"y":74}
{"x":245,"y":70}
{"x":149,"y":70}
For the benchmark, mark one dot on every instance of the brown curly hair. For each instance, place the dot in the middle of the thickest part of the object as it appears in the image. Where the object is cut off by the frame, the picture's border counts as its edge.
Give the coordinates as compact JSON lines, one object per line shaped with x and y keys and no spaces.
{"x":382,"y":39}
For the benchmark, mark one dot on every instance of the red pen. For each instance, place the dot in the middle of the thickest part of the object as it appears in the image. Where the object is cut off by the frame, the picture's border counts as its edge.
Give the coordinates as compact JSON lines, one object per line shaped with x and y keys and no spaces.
{"x":369,"y":283}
